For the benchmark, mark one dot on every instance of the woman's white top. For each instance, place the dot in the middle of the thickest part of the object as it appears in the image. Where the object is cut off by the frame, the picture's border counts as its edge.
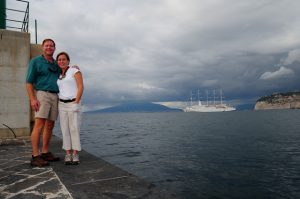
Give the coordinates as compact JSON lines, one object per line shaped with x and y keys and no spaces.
{"x":67,"y":85}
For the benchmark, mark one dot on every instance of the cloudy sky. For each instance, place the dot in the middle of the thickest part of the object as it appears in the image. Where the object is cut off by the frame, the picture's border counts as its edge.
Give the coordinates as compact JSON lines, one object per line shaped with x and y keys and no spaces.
{"x":161,"y":50}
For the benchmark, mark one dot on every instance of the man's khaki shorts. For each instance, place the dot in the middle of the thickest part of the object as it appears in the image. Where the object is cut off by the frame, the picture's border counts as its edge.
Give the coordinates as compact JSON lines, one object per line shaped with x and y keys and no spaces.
{"x":48,"y":105}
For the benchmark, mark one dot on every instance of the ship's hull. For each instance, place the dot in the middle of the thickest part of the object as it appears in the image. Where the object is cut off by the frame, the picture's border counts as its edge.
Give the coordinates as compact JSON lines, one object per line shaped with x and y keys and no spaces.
{"x":203,"y":108}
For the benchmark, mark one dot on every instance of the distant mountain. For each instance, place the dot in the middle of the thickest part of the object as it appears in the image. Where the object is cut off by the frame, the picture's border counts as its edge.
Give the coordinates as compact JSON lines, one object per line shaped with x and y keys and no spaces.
{"x":242,"y":107}
{"x":137,"y":107}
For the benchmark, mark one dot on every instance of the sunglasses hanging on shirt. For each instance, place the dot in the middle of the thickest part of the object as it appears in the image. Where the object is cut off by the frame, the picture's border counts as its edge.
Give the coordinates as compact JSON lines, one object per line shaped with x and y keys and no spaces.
{"x":53,"y":69}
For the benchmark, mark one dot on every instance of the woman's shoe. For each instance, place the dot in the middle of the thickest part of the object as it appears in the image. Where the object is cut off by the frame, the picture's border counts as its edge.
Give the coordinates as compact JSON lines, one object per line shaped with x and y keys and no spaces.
{"x":68,"y":159}
{"x":75,"y":158}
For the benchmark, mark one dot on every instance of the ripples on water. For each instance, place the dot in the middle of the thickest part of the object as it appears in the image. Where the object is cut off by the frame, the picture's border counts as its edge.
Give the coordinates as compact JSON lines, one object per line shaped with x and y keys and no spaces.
{"x":241,"y":154}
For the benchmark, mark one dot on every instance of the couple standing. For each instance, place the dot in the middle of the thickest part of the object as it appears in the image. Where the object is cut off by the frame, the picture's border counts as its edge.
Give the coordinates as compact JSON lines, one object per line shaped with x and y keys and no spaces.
{"x":52,"y":86}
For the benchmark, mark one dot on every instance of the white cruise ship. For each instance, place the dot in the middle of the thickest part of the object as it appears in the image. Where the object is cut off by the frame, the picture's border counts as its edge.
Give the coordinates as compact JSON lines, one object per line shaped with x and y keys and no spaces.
{"x":221,"y":107}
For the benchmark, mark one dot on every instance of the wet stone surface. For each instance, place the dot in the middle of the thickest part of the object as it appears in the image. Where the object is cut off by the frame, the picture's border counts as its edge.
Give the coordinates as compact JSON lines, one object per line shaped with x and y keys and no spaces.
{"x":19,"y":180}
{"x":92,"y":178}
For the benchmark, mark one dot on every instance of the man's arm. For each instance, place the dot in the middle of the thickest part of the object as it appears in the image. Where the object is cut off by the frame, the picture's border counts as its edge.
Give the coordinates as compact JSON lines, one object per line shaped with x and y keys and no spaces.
{"x":35,"y":104}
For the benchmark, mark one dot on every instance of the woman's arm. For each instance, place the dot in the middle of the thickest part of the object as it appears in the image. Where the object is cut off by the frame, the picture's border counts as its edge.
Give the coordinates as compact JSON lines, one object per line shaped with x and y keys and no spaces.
{"x":79,"y":82}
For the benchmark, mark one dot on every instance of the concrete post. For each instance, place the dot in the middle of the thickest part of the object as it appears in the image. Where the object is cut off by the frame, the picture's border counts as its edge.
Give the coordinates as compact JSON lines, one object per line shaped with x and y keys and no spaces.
{"x":14,"y":103}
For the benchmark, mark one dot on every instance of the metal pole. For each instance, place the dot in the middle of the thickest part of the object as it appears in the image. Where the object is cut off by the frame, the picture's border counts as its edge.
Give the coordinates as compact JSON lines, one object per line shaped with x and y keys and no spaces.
{"x":28,"y":16}
{"x":35,"y":31}
{"x":2,"y":14}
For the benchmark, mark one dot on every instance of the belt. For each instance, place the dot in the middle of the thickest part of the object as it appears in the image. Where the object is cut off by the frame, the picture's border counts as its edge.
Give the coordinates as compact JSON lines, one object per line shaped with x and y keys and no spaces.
{"x":67,"y":101}
{"x":49,"y":91}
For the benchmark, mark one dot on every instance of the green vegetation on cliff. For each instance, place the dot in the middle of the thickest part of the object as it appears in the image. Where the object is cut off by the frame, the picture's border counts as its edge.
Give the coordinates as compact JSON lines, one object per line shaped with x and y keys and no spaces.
{"x":280,"y":97}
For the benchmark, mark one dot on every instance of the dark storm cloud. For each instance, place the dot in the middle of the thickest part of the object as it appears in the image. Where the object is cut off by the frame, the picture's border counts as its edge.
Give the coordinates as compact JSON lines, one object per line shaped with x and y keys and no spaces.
{"x":161,"y":50}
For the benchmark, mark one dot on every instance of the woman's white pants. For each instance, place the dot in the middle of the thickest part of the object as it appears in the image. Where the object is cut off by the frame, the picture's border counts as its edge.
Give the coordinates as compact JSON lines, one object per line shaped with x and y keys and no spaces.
{"x":70,"y":119}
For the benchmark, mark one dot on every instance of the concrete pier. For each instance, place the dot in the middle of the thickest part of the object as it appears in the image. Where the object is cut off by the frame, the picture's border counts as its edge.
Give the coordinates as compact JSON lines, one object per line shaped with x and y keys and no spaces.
{"x":92,"y":178}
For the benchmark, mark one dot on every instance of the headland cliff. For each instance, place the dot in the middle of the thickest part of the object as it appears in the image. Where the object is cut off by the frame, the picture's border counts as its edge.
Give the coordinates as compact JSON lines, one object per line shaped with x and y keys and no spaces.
{"x":289,"y":100}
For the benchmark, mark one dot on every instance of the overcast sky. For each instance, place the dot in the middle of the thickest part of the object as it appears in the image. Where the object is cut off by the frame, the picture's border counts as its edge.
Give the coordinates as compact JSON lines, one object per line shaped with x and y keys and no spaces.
{"x":161,"y":50}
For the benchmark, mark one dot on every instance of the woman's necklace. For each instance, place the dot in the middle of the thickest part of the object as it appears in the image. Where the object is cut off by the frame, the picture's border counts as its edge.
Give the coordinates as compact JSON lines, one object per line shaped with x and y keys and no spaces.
{"x":63,"y":74}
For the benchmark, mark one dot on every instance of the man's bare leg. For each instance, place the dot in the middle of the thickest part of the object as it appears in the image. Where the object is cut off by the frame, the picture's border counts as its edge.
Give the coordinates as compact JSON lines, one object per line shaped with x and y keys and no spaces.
{"x":35,"y":135}
{"x":47,"y":134}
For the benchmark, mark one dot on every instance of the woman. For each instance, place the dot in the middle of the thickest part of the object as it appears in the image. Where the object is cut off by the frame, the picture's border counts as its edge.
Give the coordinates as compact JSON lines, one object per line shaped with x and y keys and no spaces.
{"x":70,"y":85}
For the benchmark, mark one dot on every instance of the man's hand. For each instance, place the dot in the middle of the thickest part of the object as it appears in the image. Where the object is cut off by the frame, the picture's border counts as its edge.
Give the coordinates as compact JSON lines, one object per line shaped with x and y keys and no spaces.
{"x":35,"y":105}
{"x":75,"y":66}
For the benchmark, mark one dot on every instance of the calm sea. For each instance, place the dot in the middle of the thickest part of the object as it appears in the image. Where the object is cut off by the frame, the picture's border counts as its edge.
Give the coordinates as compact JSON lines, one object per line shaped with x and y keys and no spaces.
{"x":241,"y":154}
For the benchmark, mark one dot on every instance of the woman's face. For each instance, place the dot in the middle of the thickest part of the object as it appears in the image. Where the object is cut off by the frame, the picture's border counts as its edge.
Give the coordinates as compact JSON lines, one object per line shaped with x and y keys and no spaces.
{"x":62,"y":61}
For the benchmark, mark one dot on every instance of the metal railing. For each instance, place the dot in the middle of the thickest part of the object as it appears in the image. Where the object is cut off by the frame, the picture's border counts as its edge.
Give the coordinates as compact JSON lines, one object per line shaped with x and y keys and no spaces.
{"x":24,"y":22}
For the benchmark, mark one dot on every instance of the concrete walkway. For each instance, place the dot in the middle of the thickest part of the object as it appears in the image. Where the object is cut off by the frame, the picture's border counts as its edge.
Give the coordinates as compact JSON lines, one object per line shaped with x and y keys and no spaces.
{"x":93,"y":178}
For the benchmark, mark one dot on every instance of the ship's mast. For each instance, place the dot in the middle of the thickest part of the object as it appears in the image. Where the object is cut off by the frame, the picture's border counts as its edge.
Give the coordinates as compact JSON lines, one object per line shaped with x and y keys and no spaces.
{"x":221,"y":97}
{"x":199,"y":101}
{"x":207,"y":97}
{"x":214,"y":91}
{"x":191,"y":98}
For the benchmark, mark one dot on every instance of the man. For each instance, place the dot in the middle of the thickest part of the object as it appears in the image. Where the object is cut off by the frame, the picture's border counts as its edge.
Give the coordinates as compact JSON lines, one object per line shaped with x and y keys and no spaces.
{"x":42,"y":89}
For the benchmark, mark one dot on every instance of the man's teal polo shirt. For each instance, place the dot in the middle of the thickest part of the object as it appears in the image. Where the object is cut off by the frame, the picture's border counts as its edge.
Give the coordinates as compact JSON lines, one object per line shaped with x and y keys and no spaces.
{"x":43,"y":74}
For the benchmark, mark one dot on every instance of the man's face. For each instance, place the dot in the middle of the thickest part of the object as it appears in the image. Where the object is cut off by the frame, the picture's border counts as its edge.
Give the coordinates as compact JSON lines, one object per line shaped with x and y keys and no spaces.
{"x":48,"y":48}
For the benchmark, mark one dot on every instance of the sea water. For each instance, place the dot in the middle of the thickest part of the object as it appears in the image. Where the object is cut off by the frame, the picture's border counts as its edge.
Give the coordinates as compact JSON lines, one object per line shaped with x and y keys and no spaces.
{"x":240,"y":154}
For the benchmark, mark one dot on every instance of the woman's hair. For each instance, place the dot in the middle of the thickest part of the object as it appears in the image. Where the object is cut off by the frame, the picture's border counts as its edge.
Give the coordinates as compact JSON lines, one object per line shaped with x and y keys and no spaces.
{"x":45,"y":40}
{"x":63,"y":53}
